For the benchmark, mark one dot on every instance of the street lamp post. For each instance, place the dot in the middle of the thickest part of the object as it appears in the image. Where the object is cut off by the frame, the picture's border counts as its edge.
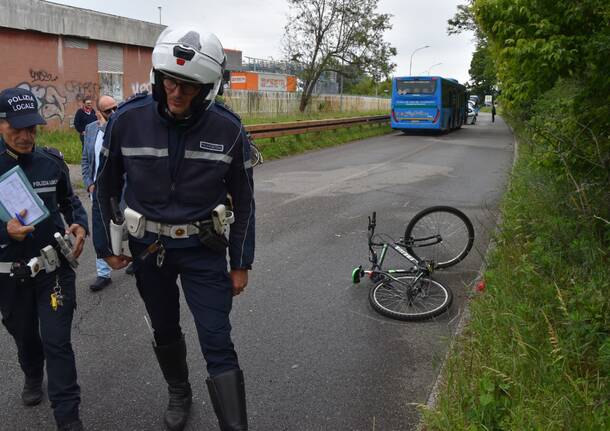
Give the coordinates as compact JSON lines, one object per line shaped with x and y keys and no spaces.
{"x":411,"y":61}
{"x":430,"y":68}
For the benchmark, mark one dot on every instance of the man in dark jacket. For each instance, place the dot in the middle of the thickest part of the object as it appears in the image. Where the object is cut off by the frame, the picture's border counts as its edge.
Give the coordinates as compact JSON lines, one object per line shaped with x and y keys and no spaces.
{"x":181,"y":155}
{"x":38,"y":294}
{"x":84,"y":116}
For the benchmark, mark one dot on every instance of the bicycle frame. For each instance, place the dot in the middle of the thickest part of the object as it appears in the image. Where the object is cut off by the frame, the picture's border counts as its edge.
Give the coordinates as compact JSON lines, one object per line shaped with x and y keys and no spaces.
{"x":421,"y":269}
{"x":410,"y":293}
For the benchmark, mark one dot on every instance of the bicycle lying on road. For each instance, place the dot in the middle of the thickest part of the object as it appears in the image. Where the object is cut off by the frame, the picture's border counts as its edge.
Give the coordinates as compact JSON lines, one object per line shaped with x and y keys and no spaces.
{"x":437,"y":237}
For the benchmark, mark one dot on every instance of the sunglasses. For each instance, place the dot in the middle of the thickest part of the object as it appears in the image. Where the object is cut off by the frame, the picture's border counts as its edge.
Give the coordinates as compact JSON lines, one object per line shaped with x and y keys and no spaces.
{"x":187,"y":88}
{"x":110,"y":110}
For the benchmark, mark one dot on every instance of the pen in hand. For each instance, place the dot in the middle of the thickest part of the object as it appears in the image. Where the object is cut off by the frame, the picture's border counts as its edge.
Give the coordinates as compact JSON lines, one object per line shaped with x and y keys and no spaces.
{"x":21,"y":220}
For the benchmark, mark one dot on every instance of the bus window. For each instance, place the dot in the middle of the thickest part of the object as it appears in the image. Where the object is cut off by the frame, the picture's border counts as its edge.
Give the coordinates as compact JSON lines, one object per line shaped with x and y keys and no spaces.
{"x":415,"y":87}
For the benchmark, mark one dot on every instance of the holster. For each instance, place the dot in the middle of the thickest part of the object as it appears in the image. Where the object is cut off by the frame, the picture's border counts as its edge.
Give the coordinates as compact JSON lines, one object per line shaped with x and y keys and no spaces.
{"x":212,"y":240}
{"x":119,"y":239}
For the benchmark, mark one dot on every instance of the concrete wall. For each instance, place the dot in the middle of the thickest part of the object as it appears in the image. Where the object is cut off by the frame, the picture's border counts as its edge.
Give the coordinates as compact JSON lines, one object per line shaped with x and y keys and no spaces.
{"x":61,"y":76}
{"x":58,"y":19}
{"x":271,"y":103}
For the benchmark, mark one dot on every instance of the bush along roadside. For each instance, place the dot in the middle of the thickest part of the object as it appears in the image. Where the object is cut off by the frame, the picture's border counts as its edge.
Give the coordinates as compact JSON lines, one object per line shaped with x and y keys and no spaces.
{"x":536,"y":352}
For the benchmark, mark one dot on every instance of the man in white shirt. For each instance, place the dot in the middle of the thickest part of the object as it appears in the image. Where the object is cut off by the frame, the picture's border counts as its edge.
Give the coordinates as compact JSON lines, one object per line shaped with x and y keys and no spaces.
{"x":94,"y":137}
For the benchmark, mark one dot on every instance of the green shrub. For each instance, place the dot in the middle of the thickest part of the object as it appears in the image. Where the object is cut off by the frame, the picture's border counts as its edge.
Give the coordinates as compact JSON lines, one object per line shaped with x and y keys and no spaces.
{"x":536,"y":354}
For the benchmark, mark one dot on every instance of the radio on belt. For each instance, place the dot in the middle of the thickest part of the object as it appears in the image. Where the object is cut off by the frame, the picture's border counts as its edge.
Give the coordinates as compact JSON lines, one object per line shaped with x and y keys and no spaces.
{"x":222,"y":217}
{"x":65,"y":246}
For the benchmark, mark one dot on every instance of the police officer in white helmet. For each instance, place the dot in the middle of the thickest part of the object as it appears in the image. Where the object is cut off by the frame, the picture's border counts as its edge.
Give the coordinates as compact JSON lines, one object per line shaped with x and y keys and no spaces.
{"x":181,"y":155}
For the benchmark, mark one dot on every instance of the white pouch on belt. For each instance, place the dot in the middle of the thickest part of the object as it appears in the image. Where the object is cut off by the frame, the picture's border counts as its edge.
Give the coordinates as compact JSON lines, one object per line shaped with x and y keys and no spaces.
{"x":136,"y":223}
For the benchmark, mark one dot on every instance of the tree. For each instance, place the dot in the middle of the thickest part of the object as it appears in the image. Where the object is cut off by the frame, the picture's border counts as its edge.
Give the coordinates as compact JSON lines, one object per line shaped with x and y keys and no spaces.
{"x":482,"y":70}
{"x":334,"y":36}
{"x":535,"y":43}
{"x":463,"y":20}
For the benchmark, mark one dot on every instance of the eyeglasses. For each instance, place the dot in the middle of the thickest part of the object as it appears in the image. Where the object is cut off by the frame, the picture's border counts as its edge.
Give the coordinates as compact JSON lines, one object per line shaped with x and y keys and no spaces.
{"x":188,"y":89}
{"x":110,"y":110}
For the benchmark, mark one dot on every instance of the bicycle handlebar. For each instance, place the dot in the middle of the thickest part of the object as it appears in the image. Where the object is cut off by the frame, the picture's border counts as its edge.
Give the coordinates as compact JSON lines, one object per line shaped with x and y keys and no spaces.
{"x":372,"y":224}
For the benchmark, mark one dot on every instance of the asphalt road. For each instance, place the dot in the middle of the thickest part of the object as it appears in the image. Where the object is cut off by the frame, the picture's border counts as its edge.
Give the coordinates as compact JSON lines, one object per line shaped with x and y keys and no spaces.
{"x":315,"y":354}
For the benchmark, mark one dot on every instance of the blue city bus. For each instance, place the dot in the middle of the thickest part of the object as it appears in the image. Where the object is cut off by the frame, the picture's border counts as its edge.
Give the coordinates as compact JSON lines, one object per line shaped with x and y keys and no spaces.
{"x":428,"y":102}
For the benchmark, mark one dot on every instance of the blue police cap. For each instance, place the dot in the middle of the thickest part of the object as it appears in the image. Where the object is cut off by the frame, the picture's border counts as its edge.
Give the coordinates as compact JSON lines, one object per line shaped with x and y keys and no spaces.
{"x":20,"y":108}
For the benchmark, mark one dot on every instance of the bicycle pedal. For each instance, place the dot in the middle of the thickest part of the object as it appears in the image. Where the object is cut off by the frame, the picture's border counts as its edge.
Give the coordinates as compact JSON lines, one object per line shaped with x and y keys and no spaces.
{"x":375,"y":277}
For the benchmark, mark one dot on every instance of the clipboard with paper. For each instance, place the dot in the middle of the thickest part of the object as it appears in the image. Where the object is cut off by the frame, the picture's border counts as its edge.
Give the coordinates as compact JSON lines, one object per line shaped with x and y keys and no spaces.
{"x":17,"y":194}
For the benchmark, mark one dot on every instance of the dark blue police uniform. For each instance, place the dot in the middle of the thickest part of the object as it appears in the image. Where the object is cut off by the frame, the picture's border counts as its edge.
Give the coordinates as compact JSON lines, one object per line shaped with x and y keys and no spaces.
{"x":177,"y":172}
{"x":39,"y":332}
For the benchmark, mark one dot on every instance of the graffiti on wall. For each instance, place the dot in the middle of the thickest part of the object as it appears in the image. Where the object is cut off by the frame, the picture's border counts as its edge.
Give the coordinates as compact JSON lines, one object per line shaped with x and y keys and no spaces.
{"x":78,"y":90}
{"x":139,"y":87}
{"x":56,"y":98}
{"x":53,"y":99}
{"x":42,"y":75}
{"x":51,"y":104}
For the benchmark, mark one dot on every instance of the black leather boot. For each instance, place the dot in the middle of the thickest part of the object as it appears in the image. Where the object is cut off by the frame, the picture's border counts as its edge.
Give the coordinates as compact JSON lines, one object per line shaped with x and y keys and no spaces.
{"x":172,"y":360}
{"x":228,"y":394}
{"x":32,"y":390}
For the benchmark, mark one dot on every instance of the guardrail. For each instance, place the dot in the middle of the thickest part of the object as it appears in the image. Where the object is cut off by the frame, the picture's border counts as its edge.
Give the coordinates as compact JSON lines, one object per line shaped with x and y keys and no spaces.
{"x":273,"y":130}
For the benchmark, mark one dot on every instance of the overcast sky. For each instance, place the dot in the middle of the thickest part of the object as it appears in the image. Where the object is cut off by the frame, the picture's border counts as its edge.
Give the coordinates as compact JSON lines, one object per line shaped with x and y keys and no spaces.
{"x":256,"y":27}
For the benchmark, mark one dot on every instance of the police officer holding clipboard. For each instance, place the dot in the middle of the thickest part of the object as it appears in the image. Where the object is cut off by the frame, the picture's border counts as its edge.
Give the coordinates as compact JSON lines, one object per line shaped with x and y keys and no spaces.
{"x":37,"y":282}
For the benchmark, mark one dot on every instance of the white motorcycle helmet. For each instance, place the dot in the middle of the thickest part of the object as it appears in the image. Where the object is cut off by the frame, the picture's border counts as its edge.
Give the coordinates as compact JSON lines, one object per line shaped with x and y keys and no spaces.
{"x":186,"y":54}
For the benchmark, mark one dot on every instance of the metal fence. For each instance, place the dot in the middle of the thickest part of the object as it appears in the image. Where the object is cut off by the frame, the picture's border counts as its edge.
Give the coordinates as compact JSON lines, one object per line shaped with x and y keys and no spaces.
{"x":274,"y":102}
{"x":273,"y":130}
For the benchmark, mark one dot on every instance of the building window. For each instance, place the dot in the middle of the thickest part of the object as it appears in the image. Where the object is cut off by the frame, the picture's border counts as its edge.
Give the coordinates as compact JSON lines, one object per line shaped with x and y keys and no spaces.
{"x":110,"y":69}
{"x":111,"y":84}
{"x":75,"y":42}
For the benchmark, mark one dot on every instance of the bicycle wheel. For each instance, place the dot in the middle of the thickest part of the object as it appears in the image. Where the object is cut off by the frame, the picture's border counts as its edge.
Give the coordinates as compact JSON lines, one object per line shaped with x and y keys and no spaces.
{"x":441,"y":234}
{"x":256,"y":157}
{"x":408,"y":299}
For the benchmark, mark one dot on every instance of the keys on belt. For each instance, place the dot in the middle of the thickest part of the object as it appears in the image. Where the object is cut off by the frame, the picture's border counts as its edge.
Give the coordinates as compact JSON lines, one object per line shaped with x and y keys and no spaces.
{"x":155,"y":247}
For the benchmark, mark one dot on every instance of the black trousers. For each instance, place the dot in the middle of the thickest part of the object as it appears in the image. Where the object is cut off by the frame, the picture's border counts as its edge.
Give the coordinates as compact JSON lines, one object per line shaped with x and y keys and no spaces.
{"x":41,"y":333}
{"x":207,"y":289}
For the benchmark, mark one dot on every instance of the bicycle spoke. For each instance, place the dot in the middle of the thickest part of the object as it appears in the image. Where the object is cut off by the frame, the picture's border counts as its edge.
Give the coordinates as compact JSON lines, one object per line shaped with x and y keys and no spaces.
{"x":451,"y":227}
{"x":407,"y":299}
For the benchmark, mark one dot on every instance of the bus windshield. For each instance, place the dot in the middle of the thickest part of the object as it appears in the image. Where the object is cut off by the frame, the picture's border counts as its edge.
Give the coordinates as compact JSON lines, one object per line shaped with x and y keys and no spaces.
{"x":415,"y":87}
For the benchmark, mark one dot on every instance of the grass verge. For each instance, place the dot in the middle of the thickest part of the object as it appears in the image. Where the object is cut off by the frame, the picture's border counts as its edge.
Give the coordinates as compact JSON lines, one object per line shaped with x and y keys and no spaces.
{"x":69,"y":144}
{"x":308,"y":116}
{"x":536,"y":352}
{"x":275,"y":148}
{"x":66,"y":141}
